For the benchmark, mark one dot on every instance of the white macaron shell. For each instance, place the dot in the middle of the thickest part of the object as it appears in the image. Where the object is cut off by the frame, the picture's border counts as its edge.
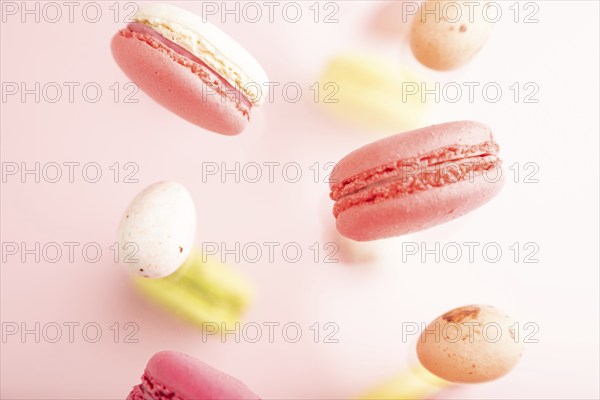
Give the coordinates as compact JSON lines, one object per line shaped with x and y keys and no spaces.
{"x":156,"y":233}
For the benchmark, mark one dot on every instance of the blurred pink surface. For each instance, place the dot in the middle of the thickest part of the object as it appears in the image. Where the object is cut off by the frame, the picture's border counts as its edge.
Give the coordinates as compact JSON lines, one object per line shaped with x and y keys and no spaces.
{"x":368,"y":303}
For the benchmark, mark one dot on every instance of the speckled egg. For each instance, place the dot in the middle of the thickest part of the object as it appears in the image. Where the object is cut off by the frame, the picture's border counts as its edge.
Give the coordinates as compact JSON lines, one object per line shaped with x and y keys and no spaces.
{"x":447,"y":34}
{"x":156,"y":232}
{"x":470,"y":344}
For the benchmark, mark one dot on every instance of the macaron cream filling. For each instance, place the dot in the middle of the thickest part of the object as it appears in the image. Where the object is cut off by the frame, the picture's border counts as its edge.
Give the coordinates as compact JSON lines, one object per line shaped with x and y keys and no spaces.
{"x":439,"y":168}
{"x":188,"y":60}
{"x":204,"y":50}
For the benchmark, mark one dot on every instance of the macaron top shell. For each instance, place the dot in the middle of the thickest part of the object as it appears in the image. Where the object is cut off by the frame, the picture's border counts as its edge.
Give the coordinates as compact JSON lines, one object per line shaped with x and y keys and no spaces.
{"x":408,"y":145}
{"x":211,"y":45}
{"x":156,"y":232}
{"x":188,"y":378}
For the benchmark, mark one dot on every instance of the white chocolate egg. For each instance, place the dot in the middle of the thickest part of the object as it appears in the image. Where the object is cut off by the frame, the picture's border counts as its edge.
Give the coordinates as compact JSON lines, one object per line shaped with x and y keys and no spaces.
{"x":156,"y":232}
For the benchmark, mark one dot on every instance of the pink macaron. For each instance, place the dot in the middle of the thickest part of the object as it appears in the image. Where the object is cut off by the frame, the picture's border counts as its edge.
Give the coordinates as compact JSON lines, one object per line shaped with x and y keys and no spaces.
{"x":177,"y":376}
{"x":190,"y":67}
{"x":415,"y":180}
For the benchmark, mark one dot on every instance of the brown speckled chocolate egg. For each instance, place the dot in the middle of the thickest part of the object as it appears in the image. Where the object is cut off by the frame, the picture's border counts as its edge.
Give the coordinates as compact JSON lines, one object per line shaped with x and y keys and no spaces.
{"x":470,"y":344}
{"x":446,"y":34}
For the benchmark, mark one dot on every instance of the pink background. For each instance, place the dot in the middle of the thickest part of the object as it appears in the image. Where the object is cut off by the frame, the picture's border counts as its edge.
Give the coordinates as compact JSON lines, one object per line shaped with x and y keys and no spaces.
{"x":367,"y":302}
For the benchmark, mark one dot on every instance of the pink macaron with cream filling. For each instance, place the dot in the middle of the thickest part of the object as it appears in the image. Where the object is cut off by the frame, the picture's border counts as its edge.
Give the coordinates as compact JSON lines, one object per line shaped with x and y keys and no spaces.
{"x":171,"y":375}
{"x":415,"y":180}
{"x":190,"y":67}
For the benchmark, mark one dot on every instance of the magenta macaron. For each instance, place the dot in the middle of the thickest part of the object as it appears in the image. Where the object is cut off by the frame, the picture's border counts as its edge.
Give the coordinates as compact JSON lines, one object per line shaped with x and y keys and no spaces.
{"x":170,"y":375}
{"x":190,"y":67}
{"x":415,"y":180}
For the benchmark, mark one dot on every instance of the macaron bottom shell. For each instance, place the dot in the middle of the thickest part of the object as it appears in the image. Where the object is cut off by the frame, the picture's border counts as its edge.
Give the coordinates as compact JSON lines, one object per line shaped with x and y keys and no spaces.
{"x":414,"y":212}
{"x":185,"y":87}
{"x":207,"y":294}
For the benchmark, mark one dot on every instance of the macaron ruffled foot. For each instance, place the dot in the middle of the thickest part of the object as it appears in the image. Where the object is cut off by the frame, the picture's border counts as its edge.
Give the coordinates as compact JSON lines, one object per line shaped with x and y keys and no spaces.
{"x":170,"y":375}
